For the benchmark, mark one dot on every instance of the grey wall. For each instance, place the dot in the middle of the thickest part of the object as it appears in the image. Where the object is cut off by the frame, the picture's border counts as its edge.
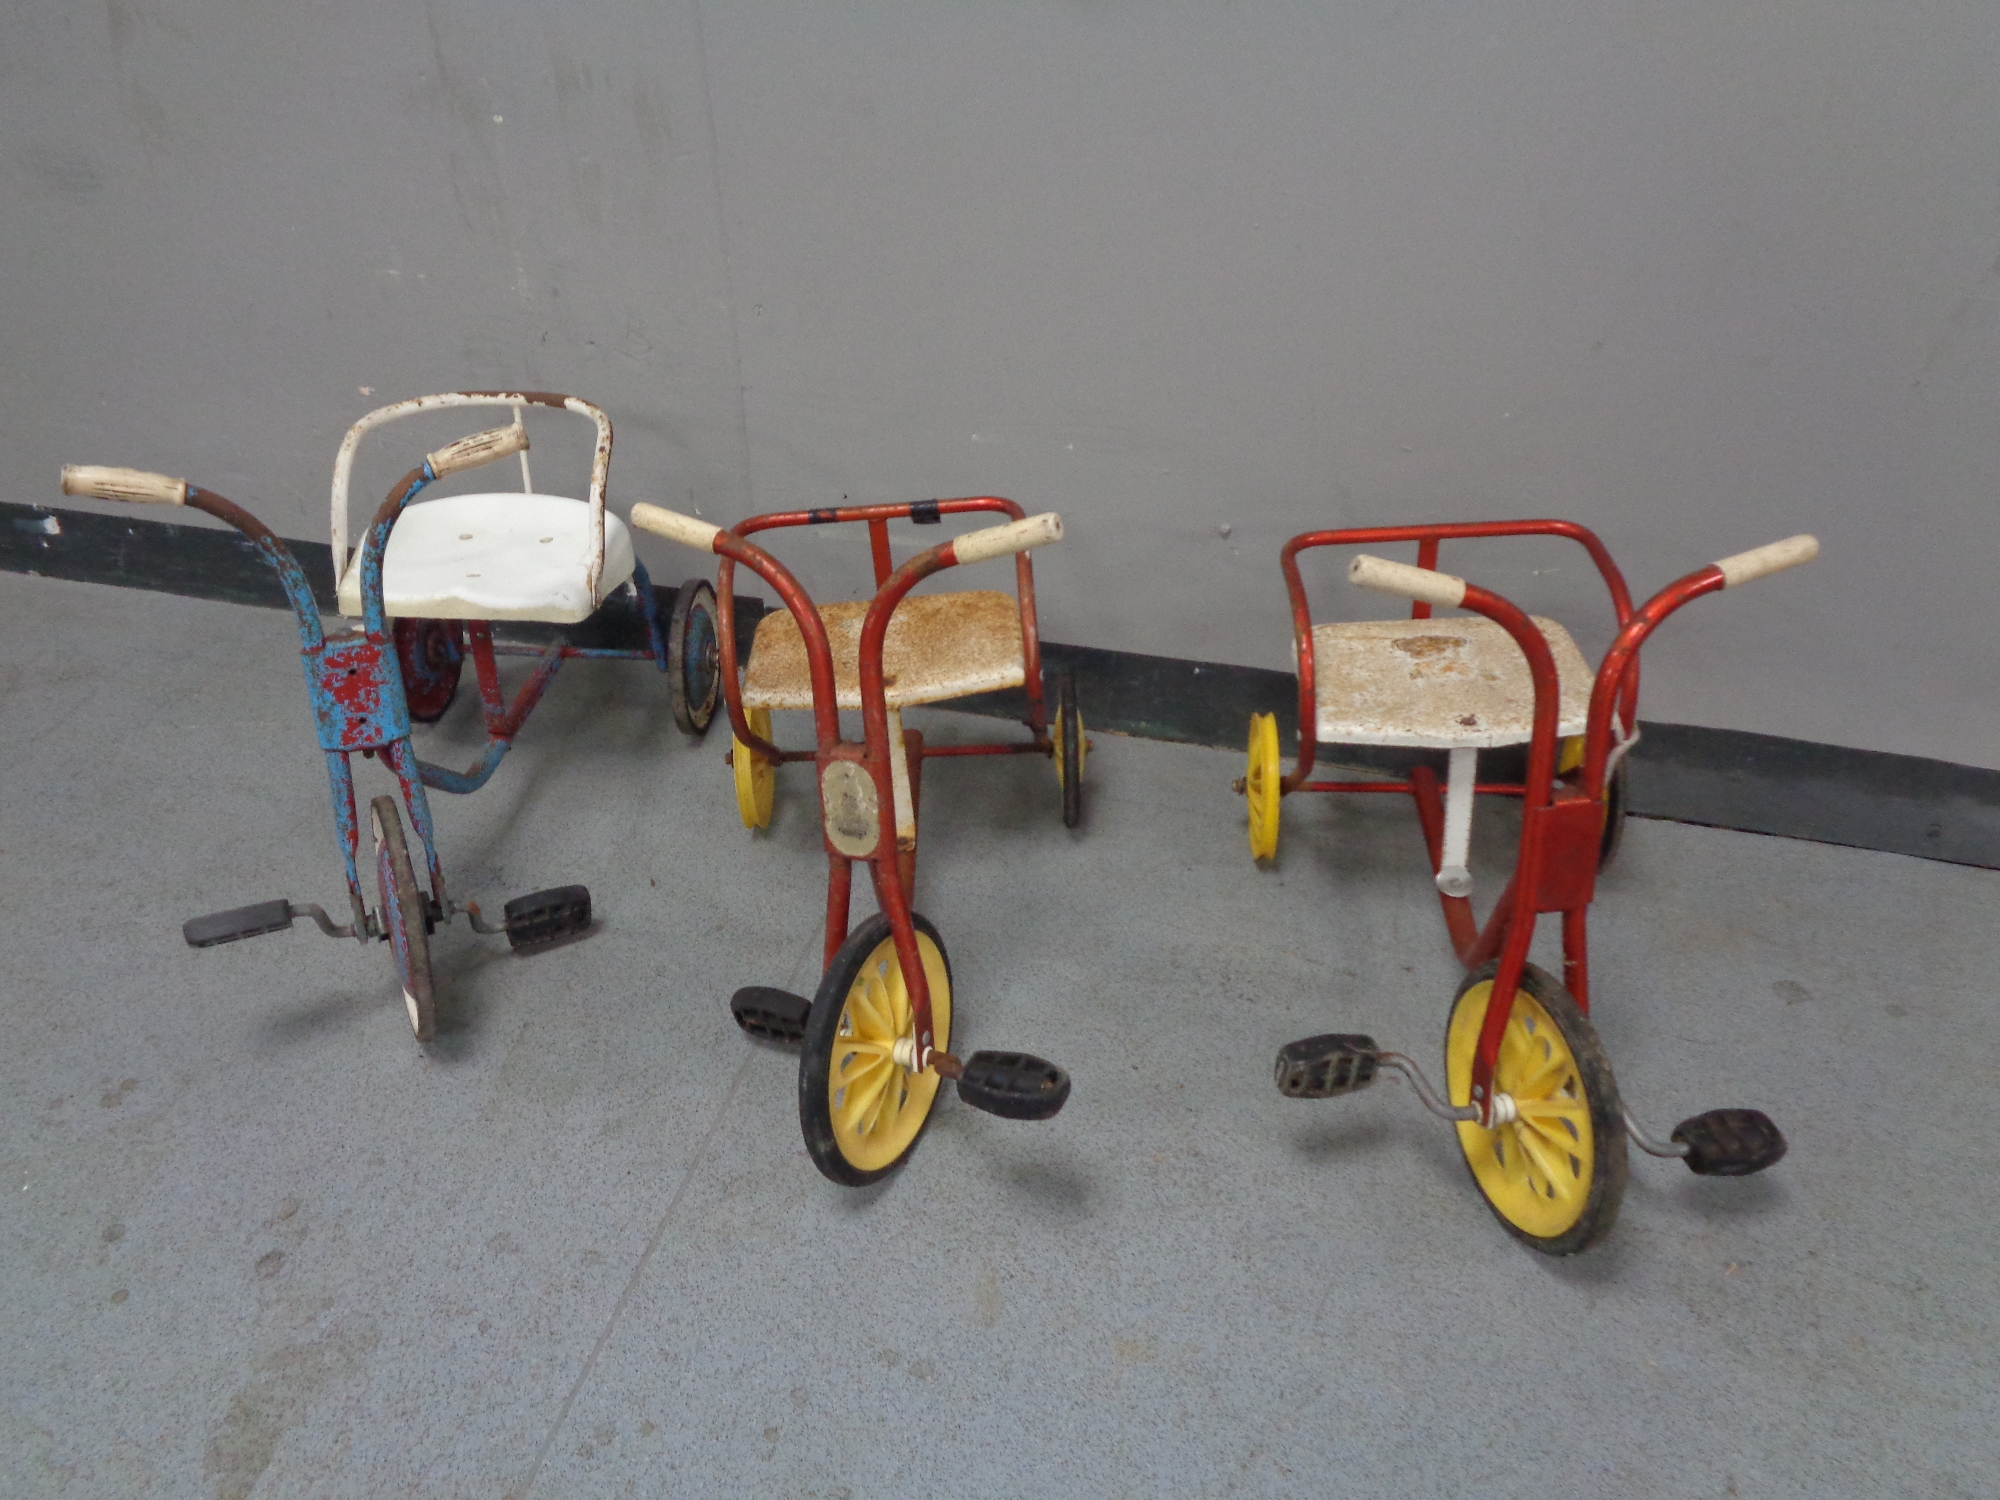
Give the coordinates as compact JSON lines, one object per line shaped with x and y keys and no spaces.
{"x":1698,"y":275}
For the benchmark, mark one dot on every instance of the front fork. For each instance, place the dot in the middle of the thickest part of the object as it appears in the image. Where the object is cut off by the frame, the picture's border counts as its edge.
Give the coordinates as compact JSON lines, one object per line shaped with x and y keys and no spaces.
{"x":402,"y":759}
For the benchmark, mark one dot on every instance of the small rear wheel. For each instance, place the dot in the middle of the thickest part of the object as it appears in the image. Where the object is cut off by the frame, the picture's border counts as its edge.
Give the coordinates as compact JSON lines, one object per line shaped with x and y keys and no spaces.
{"x":1555,"y":1173}
{"x":1261,"y":789}
{"x":863,"y":1110}
{"x":432,"y":655}
{"x":1071,"y":749}
{"x":756,"y":777}
{"x":694,"y":660}
{"x":1614,"y":798}
{"x":1614,"y":817}
{"x":405,"y":916}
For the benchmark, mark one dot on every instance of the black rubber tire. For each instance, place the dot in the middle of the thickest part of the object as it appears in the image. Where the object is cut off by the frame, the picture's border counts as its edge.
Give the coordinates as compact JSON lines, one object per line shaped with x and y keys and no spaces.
{"x":694,"y":659}
{"x":405,"y":916}
{"x":1071,"y":720}
{"x":431,"y":654}
{"x":1614,"y":817}
{"x":1609,"y":1165}
{"x":816,"y":1053}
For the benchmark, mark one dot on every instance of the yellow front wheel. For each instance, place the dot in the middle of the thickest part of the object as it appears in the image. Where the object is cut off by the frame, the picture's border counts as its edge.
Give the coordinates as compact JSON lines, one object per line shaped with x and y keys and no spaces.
{"x":1555,"y":1172}
{"x":756,"y":777}
{"x":862,"y":1107}
{"x":1261,"y":786}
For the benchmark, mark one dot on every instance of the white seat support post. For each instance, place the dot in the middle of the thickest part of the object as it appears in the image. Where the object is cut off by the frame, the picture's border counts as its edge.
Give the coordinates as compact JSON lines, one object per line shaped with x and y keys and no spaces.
{"x":1453,"y":876}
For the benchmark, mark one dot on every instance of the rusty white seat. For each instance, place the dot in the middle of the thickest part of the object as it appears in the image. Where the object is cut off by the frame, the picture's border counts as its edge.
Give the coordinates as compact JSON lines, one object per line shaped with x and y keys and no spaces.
{"x":1450,"y":684}
{"x":494,"y":557}
{"x":938,"y":646}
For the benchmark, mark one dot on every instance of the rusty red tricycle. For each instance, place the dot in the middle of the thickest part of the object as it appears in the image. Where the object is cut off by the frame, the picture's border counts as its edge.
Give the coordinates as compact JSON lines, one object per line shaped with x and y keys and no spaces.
{"x":1527,"y":1084}
{"x":877,"y":1033}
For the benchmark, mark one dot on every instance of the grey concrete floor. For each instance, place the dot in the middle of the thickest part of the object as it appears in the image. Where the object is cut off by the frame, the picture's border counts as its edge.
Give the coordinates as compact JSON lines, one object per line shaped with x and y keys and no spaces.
{"x":258,"y":1241}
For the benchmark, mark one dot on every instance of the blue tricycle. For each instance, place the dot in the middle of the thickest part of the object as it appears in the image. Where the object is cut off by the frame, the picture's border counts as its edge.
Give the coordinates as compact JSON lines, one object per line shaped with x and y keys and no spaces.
{"x":427,"y":582}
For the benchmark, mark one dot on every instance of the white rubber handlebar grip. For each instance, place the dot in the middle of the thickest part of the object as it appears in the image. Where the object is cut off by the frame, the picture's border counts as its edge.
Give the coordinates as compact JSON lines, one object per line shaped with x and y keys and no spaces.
{"x":480,"y":448}
{"x":1015,"y":536}
{"x":1401,"y":578}
{"x":102,"y":483}
{"x":676,"y":527}
{"x":1774,"y":557}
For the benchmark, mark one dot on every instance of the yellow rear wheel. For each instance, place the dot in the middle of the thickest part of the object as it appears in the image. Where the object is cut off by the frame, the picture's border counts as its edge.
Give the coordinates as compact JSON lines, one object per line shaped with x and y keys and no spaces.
{"x":1556,"y":1172}
{"x":860,"y":1107}
{"x":1260,"y":786}
{"x":756,"y":777}
{"x":1071,"y":747}
{"x":1082,"y":749}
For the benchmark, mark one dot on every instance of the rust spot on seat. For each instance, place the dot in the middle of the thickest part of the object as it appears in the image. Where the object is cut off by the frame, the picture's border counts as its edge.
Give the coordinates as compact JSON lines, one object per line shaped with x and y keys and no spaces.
{"x":1429,"y":645}
{"x":938,"y":646}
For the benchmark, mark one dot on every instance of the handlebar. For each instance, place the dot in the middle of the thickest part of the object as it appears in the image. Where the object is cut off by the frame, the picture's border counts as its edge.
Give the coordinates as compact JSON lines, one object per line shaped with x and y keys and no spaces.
{"x":1773,"y":557}
{"x":1427,"y":584}
{"x":480,"y":448}
{"x":1014,"y":536}
{"x":676,"y":527}
{"x":101,"y":482}
{"x":974,"y":546}
{"x":1449,"y":591}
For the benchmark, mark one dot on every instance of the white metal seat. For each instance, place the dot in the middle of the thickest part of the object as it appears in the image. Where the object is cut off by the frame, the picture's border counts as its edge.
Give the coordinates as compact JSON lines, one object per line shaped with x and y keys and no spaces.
{"x":938,"y":646}
{"x":1449,"y":684}
{"x":521,"y":556}
{"x":495,"y":557}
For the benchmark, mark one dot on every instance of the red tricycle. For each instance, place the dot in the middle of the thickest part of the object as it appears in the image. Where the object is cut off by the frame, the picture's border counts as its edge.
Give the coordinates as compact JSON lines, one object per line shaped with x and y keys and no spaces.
{"x":1527,"y":1083}
{"x":877,"y":1033}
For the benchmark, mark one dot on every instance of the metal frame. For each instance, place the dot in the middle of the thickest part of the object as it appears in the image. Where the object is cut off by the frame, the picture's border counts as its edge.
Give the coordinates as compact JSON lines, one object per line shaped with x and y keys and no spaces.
{"x":877,"y":517}
{"x":891,"y":861}
{"x":600,"y":466}
{"x":503,"y":719}
{"x":1562,"y":814}
{"x":355,"y":678}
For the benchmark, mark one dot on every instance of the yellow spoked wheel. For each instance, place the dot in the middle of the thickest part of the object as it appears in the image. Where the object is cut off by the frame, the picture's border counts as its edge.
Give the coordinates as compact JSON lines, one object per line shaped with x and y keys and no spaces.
{"x":756,"y":777}
{"x":861,"y":1108}
{"x":1555,"y":1173}
{"x":1072,"y":748}
{"x":1260,"y":786}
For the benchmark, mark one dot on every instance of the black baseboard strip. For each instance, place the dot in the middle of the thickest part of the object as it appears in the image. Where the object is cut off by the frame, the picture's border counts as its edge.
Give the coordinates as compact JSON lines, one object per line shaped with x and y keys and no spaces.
{"x":1760,"y":783}
{"x":1722,"y":778}
{"x":138,"y":552}
{"x":215,"y":562}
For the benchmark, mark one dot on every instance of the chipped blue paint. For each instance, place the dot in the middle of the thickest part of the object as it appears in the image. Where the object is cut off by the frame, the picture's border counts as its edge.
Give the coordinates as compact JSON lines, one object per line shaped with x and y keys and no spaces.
{"x":349,"y":834}
{"x":403,"y":760}
{"x":444,"y":779}
{"x":357,"y":693}
{"x":642,"y":585}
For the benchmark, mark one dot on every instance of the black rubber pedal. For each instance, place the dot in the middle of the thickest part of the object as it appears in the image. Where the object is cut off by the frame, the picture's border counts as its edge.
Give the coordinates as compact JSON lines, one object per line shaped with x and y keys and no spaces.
{"x":1730,"y":1142}
{"x":771,"y":1015}
{"x":547,"y":916}
{"x":234,"y":926}
{"x":1013,"y":1085}
{"x":1321,"y":1067}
